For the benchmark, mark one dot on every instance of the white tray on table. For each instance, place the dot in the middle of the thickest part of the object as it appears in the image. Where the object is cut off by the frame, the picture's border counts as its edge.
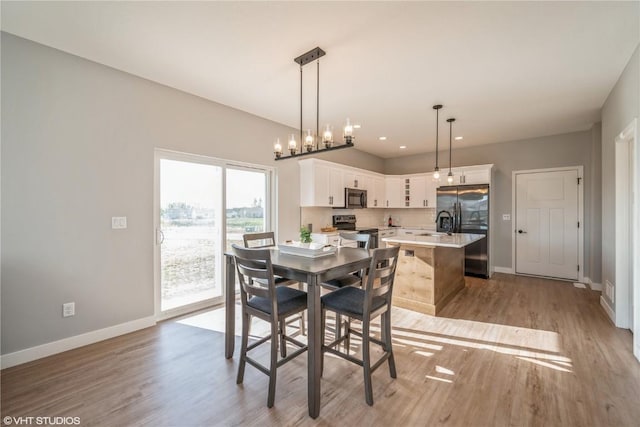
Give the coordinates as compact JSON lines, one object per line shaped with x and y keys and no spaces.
{"x":309,"y":250}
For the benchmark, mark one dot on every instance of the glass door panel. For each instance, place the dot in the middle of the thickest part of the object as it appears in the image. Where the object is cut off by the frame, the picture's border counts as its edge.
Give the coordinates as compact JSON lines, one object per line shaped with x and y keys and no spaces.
{"x":190,"y":226}
{"x":246,"y":203}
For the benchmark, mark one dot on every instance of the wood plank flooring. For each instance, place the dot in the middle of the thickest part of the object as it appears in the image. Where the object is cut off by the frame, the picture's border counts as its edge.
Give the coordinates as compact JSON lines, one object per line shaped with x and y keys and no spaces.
{"x":510,"y":351}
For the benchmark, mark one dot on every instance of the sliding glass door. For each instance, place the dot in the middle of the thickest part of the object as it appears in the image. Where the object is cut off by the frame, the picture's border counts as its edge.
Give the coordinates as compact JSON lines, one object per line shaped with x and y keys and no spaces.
{"x":203,"y":205}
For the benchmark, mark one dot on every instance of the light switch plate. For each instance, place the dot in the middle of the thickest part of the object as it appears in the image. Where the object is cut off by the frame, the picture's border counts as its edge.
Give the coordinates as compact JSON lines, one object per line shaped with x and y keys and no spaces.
{"x":506,"y":217}
{"x":118,"y":222}
{"x":68,"y":309}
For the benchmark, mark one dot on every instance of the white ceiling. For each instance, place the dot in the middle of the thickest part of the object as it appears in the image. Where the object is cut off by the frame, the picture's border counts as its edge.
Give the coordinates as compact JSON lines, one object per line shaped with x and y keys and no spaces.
{"x":505,"y":70}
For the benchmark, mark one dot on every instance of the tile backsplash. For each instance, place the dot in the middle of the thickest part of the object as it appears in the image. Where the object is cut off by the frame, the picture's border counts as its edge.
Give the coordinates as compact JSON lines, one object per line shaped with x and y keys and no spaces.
{"x":321,"y":217}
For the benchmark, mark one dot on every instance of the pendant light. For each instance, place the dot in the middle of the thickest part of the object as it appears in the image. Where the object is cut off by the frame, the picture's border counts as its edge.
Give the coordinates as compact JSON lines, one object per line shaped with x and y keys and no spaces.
{"x":450,"y":174}
{"x":436,"y":171}
{"x":310,"y":143}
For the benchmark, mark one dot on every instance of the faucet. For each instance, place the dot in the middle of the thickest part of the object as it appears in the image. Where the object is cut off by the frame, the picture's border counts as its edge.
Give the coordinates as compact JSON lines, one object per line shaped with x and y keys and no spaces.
{"x":449,"y":224}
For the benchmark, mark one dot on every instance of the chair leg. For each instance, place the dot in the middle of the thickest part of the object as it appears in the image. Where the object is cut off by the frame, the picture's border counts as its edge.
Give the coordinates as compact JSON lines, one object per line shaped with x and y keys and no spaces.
{"x":338,"y":326}
{"x":366,"y":363}
{"x":303,"y":330}
{"x":273,"y":365}
{"x":323,"y":324}
{"x":347,"y":340}
{"x":246,"y":320}
{"x":282,"y":331}
{"x":386,"y":328}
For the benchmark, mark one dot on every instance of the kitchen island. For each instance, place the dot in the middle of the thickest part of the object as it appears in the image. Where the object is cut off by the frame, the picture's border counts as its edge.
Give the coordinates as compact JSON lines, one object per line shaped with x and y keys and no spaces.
{"x":430,"y":269}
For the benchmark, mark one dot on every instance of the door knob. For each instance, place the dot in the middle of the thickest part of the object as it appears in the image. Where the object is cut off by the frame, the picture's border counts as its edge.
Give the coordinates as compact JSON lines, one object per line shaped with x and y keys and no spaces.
{"x":522,"y":232}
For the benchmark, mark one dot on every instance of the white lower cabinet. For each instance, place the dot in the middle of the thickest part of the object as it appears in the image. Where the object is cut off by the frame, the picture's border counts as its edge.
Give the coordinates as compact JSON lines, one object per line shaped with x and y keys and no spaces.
{"x":391,"y":232}
{"x":326,"y":239}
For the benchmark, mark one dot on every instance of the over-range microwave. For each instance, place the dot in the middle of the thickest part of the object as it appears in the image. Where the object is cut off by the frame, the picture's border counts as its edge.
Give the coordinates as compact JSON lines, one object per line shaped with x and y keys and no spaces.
{"x":354,"y":198}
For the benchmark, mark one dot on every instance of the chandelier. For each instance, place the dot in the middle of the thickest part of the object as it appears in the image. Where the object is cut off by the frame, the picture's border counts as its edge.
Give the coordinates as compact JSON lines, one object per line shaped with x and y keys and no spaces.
{"x":313,"y":143}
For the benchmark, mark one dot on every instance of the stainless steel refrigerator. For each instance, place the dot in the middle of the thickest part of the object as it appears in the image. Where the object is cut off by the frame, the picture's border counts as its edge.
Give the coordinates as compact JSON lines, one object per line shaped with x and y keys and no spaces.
{"x":465,"y":209}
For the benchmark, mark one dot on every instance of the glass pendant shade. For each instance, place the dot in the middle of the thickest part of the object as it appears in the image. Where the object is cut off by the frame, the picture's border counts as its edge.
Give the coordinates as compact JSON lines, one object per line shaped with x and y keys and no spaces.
{"x":327,"y":136}
{"x":293,"y":144}
{"x":308,"y":140}
{"x":348,"y":132}
{"x":277,"y":148}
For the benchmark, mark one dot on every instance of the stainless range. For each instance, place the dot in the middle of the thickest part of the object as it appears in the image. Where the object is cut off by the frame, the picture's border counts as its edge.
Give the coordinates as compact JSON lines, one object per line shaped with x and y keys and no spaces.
{"x":348,"y":222}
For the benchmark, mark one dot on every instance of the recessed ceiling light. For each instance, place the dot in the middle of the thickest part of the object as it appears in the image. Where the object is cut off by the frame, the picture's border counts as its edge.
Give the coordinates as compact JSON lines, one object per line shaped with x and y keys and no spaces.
{"x":402,"y":147}
{"x":356,"y":126}
{"x":382,"y":138}
{"x":458,"y":138}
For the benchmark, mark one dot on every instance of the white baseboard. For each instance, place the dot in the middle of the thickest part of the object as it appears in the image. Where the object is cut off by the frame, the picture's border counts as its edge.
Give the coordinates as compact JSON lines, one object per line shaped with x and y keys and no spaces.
{"x":594,"y":286}
{"x":608,"y":309}
{"x":44,"y":350}
{"x":506,"y":270}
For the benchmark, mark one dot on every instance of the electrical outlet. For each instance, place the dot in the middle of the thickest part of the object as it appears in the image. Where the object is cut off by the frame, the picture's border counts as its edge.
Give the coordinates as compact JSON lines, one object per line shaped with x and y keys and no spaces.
{"x":609,"y":291}
{"x":68,"y":309}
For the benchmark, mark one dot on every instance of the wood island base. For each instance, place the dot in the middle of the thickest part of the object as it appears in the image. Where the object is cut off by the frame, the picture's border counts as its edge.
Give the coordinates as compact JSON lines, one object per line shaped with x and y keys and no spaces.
{"x":427,"y":278}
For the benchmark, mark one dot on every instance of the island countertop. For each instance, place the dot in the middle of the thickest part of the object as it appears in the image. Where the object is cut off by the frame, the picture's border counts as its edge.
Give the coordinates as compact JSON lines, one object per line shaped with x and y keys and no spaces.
{"x":455,"y":240}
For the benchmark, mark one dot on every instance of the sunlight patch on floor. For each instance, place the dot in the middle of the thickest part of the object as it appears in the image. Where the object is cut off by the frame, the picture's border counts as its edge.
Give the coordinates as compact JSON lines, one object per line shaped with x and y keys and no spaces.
{"x":545,"y":364}
{"x":444,"y":380}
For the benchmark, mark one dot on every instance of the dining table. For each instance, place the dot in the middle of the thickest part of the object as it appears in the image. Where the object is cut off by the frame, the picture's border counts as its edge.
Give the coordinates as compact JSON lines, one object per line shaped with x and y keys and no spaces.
{"x":313,"y":272}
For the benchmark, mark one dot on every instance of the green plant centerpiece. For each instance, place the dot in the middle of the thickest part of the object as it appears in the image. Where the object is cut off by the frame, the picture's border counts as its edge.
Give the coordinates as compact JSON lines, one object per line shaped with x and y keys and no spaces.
{"x":305,"y":235}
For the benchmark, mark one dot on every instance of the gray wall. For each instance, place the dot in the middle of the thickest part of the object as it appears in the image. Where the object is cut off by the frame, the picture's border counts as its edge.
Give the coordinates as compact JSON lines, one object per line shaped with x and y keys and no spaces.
{"x":78,"y":148}
{"x":620,"y":108}
{"x":570,"y":149}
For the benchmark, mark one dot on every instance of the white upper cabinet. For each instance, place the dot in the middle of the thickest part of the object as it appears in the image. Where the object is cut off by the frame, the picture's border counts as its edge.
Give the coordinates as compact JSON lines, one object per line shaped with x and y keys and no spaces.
{"x":321,"y":184}
{"x":376,"y":192}
{"x":478,"y":174}
{"x":395,"y":192}
{"x":353,"y":179}
{"x":422,"y":191}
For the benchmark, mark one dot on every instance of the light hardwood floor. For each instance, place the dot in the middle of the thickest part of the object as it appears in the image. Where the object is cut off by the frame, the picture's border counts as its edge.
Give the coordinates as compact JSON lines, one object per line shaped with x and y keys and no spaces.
{"x":508,"y":351}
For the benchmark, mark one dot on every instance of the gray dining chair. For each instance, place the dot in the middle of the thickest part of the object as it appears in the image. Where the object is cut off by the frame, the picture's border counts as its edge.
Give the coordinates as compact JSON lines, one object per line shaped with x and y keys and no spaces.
{"x":262,"y":298}
{"x":266,"y":240}
{"x":352,"y":279}
{"x":366,"y":304}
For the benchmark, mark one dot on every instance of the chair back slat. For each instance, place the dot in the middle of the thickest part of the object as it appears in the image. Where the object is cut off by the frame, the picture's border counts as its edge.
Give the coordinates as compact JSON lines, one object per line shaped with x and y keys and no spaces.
{"x":259,"y":240}
{"x":362,"y":238}
{"x":255,"y":272}
{"x":381,"y":275}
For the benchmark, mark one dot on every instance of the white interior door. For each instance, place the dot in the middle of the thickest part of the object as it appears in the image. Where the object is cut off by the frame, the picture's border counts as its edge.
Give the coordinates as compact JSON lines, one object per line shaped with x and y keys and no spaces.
{"x":546,"y":223}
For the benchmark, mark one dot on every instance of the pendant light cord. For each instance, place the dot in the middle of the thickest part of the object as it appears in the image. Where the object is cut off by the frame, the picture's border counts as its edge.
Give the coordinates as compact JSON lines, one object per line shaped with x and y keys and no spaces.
{"x":318,"y":105}
{"x":450,"y":127}
{"x":451,"y":120}
{"x":437,"y":113}
{"x":301,"y":107}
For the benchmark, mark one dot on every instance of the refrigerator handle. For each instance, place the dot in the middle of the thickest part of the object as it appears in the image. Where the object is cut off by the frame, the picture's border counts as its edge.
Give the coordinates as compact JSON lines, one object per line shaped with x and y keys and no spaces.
{"x":454,"y":220}
{"x":459,"y":220}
